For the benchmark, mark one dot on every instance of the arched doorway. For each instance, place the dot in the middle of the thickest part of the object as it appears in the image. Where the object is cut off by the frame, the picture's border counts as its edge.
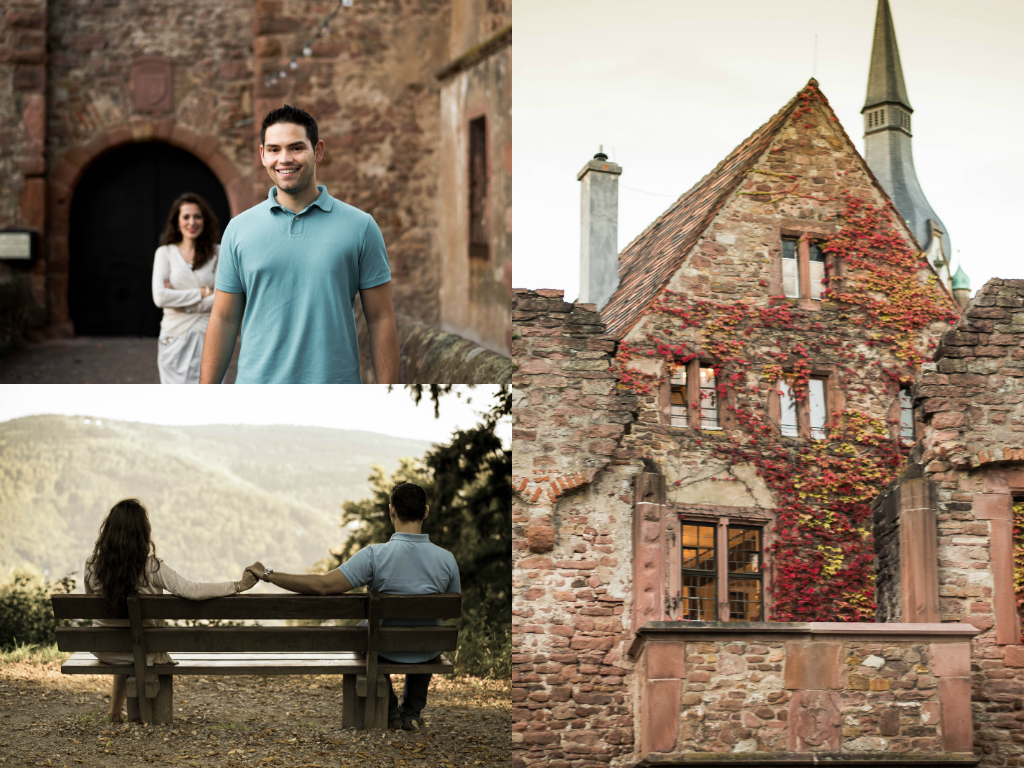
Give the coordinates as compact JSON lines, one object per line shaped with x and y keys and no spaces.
{"x":117,"y":216}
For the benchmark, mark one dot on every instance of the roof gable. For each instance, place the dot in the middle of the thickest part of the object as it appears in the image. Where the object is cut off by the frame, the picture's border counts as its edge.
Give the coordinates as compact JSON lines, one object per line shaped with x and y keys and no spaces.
{"x":648,"y":263}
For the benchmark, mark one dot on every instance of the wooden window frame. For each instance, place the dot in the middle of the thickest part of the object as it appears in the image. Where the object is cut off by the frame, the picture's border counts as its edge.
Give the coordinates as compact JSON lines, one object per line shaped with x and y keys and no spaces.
{"x":722,"y":518}
{"x":694,"y":419}
{"x":835,"y":402}
{"x":804,"y":233}
{"x":895,"y":414}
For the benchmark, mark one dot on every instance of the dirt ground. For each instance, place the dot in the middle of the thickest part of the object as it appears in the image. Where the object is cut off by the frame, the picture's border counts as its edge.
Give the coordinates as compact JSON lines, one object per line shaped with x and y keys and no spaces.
{"x":84,"y":360}
{"x":50,"y":719}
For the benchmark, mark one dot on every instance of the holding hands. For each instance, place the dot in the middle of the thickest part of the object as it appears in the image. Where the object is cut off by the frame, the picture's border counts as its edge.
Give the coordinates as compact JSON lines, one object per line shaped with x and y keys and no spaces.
{"x":256,"y":570}
{"x":249,"y":577}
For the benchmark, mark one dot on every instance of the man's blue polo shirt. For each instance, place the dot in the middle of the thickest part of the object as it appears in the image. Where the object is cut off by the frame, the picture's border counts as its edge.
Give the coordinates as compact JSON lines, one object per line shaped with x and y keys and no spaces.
{"x":300,"y":273}
{"x":408,"y":564}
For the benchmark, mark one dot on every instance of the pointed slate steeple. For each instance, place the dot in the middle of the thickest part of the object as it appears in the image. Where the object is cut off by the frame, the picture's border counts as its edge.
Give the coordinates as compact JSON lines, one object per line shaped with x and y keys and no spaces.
{"x":885,"y":79}
{"x":887,"y":144}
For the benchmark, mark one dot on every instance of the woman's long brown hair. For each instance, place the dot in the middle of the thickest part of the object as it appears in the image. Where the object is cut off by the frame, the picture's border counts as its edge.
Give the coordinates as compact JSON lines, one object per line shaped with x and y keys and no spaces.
{"x":122,"y":549}
{"x":207,"y":238}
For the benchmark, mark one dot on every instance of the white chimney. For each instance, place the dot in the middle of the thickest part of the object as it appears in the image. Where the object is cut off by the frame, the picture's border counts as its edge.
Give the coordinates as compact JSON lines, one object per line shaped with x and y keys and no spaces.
{"x":599,"y":230}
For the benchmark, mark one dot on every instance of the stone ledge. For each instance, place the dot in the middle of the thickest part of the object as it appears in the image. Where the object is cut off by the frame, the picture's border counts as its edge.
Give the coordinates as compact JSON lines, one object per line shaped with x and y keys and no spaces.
{"x":695,"y":631}
{"x":814,"y":758}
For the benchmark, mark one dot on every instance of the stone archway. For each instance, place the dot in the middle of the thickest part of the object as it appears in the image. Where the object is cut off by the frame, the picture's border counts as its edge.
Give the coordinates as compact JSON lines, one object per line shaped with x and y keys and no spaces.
{"x":68,"y":172}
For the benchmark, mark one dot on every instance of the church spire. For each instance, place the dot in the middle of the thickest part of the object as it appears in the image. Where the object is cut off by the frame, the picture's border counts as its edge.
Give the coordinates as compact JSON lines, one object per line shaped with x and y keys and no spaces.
{"x":885,"y":79}
{"x":887,"y":144}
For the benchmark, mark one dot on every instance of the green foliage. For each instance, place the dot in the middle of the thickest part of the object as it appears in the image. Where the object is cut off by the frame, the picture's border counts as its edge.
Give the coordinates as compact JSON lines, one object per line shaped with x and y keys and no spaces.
{"x":468,"y":482}
{"x":485,"y":649}
{"x":26,"y":615}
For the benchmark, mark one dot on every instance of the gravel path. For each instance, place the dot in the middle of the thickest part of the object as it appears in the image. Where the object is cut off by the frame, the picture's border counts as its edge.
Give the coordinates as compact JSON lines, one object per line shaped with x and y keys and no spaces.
{"x":49,"y":719}
{"x":88,"y":360}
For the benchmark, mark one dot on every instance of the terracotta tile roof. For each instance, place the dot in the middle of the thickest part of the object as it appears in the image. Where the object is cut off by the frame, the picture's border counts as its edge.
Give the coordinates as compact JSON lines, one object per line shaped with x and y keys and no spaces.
{"x":647,"y":263}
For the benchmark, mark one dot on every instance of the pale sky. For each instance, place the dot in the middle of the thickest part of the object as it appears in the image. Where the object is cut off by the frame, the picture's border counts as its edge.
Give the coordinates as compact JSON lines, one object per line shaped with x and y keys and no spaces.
{"x":670,"y":87}
{"x":358,"y":407}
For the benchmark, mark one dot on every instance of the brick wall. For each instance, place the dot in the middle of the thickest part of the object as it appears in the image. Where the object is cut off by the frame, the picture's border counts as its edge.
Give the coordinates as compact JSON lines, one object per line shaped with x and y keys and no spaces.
{"x":572,"y":565}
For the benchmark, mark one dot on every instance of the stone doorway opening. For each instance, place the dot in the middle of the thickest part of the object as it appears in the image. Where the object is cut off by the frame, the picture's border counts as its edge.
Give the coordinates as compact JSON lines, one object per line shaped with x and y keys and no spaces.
{"x":117,"y":216}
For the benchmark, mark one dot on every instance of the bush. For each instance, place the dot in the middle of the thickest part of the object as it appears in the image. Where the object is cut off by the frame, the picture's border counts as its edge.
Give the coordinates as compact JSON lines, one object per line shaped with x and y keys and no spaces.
{"x":485,"y":649}
{"x":26,"y":614}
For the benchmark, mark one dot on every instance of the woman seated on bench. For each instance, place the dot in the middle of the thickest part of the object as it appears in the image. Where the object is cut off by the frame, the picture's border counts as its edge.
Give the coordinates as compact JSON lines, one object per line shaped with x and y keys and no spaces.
{"x":124,"y":560}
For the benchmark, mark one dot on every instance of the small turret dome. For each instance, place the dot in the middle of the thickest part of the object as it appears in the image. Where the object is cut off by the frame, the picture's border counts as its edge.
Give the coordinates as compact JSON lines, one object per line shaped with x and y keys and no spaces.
{"x":960,"y":280}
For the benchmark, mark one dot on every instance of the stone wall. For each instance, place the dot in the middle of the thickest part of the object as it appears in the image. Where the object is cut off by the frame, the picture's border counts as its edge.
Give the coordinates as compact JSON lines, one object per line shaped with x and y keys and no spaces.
{"x":571,"y":521}
{"x":370,"y":86}
{"x":971,"y":400}
{"x":22,"y":161}
{"x":476,"y":83}
{"x":834,"y":691}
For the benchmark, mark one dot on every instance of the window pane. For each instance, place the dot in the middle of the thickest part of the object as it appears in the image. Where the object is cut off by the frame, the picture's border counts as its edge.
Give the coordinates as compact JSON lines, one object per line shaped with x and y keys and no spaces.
{"x":817,"y":270}
{"x":788,"y":409}
{"x":744,"y":550}
{"x":708,"y":399}
{"x":818,"y":409}
{"x":744,"y":600}
{"x":906,"y":415}
{"x":698,"y":598}
{"x":699,"y":547}
{"x":790,"y":272}
{"x":678,"y":401}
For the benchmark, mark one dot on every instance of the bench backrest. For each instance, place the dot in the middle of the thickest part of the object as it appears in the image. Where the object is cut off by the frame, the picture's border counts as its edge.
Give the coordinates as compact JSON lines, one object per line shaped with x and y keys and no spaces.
{"x":369,"y":639}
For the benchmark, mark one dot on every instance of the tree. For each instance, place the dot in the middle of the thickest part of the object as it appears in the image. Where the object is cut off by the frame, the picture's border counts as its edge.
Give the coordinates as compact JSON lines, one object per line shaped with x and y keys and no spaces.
{"x":468,"y":482}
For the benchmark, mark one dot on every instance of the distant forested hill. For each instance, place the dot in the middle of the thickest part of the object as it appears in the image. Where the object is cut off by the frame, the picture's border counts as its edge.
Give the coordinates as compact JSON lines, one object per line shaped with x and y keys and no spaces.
{"x":218,"y":496}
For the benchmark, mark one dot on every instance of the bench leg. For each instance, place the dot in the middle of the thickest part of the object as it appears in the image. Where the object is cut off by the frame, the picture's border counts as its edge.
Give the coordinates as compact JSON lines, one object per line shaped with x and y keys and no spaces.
{"x":375,"y":714}
{"x":154,"y":703}
{"x":352,"y":705}
{"x":163,"y":703}
{"x":134,"y":715}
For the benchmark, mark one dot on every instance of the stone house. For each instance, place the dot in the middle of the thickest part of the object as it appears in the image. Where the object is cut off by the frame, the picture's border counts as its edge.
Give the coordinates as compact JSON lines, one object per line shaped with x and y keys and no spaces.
{"x":694,"y":468}
{"x":115,"y":106}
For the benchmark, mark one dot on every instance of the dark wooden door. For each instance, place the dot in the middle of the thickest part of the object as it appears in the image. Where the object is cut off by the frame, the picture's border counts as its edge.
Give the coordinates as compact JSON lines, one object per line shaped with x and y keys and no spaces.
{"x":117,"y":217}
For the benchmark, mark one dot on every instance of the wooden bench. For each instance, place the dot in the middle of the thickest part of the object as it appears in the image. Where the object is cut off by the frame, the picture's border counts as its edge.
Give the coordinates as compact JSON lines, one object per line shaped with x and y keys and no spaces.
{"x":312,"y":650}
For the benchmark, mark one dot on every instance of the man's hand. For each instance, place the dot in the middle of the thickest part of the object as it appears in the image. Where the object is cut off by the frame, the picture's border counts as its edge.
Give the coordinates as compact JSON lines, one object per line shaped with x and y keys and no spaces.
{"x":379,"y":310}
{"x":219,"y":344}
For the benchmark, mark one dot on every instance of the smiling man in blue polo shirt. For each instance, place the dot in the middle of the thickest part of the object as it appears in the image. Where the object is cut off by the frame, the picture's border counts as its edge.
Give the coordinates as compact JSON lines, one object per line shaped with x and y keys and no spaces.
{"x":289,"y":271}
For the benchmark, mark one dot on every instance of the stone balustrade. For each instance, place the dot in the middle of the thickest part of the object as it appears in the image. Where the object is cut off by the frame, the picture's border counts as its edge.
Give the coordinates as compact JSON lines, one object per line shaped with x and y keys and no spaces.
{"x":766,"y":693}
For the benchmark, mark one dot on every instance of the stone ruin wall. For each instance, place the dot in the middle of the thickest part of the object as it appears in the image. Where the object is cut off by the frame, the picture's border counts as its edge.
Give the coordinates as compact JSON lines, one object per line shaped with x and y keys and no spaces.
{"x":972,"y":401}
{"x":571,"y":526}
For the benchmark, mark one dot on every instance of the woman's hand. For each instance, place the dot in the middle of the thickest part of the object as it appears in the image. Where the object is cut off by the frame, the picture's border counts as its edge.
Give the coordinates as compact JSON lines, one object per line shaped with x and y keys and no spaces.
{"x":167,"y":284}
{"x":248,"y":581}
{"x":204,"y":291}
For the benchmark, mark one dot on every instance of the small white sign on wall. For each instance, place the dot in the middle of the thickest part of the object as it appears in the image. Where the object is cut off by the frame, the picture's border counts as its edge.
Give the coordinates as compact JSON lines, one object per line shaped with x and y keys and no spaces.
{"x":16,"y":245}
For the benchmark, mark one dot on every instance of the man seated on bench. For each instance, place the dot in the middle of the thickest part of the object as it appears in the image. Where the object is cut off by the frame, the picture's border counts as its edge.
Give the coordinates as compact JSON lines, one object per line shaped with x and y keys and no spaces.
{"x":408,"y":564}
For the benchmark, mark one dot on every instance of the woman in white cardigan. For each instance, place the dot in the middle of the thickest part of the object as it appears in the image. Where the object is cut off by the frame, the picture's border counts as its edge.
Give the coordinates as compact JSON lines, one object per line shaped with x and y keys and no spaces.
{"x":124,"y":560}
{"x":184,"y":269}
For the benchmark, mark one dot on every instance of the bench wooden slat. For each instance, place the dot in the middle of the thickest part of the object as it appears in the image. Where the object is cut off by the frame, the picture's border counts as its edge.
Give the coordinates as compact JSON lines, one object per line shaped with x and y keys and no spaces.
{"x":256,"y":664}
{"x":447,"y":605}
{"x":231,"y":608}
{"x":417,"y":639}
{"x":103,"y":639}
{"x":256,"y":639}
